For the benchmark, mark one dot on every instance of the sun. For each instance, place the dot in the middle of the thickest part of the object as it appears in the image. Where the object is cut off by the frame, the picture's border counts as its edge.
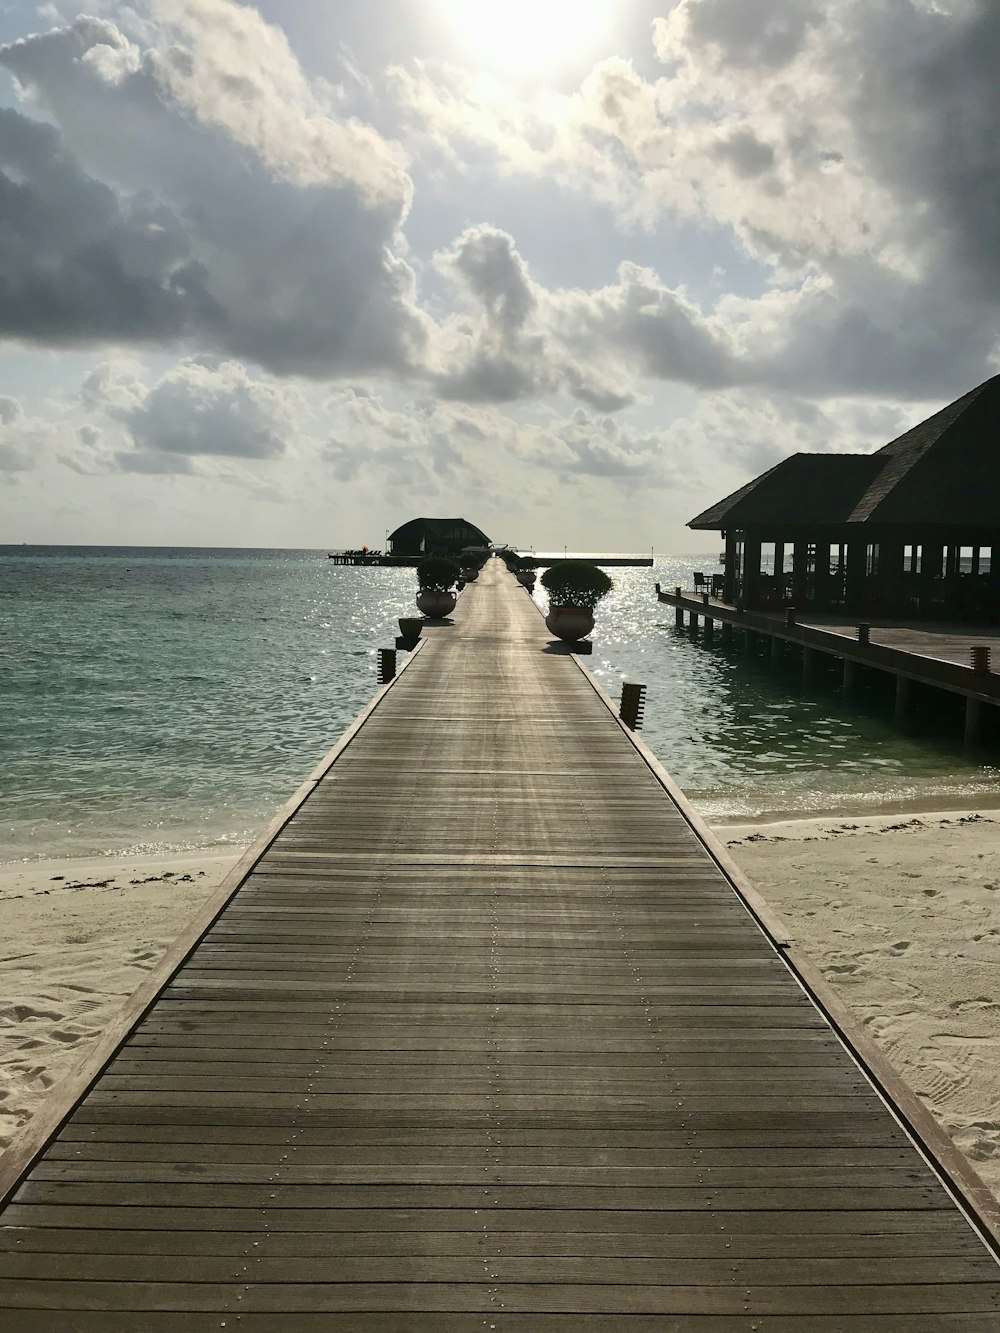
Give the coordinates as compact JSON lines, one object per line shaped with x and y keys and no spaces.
{"x":529,"y":36}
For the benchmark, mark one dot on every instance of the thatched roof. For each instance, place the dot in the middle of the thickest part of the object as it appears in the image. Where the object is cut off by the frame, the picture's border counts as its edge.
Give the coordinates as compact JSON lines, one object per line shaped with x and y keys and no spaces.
{"x":443,"y":529}
{"x":944,"y":471}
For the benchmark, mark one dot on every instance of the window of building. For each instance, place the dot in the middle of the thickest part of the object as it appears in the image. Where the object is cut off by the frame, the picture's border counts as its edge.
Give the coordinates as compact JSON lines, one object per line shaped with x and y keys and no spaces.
{"x":913,"y":557}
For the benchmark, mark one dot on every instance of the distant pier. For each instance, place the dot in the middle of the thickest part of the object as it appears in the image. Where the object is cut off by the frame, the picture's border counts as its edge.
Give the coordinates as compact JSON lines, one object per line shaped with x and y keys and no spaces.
{"x":379,"y":558}
{"x":957,"y":658}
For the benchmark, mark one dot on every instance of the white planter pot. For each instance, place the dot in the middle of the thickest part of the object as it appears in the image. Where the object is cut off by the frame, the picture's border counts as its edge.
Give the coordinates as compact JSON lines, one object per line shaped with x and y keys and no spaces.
{"x":569,"y":623}
{"x":435,"y":605}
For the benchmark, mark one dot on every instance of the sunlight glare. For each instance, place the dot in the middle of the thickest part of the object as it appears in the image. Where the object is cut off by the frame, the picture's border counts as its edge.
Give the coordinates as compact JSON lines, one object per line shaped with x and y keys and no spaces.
{"x":530,"y":35}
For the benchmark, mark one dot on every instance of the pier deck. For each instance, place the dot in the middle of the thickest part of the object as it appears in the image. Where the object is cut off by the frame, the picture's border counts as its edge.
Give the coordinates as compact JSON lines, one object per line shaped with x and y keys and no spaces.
{"x":491,"y":1036}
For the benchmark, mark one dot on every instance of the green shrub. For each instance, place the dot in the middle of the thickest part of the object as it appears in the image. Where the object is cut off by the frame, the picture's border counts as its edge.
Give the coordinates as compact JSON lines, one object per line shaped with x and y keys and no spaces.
{"x":575,"y":583}
{"x":437,"y":573}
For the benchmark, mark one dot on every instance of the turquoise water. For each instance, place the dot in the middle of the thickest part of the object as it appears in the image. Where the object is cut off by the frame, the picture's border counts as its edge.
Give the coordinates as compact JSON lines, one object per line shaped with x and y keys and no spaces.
{"x":158,"y":699}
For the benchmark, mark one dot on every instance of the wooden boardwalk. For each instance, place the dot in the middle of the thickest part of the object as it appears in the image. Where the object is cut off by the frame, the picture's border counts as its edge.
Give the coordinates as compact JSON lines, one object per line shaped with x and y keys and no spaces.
{"x":487,"y":1039}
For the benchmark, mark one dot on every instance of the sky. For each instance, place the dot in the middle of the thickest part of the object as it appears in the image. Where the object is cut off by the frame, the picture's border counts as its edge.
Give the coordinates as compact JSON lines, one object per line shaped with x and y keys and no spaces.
{"x":290,"y":274}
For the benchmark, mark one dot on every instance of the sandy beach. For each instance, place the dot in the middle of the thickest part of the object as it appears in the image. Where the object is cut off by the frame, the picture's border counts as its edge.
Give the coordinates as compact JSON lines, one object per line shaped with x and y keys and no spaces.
{"x":78,"y":937}
{"x":901,"y":914}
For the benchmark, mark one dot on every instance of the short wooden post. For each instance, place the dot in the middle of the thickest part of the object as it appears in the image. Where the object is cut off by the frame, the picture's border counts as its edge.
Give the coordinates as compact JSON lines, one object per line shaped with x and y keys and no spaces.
{"x":789,"y":616}
{"x":979,"y":659}
{"x":693,"y":620}
{"x":864,"y":633}
{"x":709,"y":627}
{"x":679,"y":617}
{"x":704,"y":599}
{"x":633,"y":705}
{"x":386,"y":665}
{"x":904,"y":693}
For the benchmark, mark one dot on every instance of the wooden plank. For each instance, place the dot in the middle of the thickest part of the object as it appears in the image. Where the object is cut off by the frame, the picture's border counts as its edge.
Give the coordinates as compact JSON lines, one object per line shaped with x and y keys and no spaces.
{"x":416,"y":1267}
{"x":481,"y":1297}
{"x":717,"y":1220}
{"x":438,"y":1321}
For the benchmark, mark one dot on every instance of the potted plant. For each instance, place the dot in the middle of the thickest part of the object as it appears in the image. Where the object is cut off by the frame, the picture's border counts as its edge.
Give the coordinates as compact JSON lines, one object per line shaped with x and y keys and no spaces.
{"x":524,"y":573}
{"x":436,"y":576}
{"x":472,"y":560}
{"x":574,"y":589}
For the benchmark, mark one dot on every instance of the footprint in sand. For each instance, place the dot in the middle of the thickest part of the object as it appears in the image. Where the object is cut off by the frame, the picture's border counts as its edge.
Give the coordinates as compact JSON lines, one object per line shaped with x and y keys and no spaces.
{"x":980,"y":1002}
{"x":68,"y":1038}
{"x":899,"y":947}
{"x":20,"y":1013}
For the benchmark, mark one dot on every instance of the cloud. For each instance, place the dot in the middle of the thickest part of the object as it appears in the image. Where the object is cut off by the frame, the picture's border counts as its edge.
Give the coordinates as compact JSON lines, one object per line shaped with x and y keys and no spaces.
{"x":197,"y":189}
{"x":527,"y":340}
{"x":24,"y":439}
{"x":200,"y":409}
{"x":758,"y":34}
{"x":76,"y":262}
{"x":848,"y":146}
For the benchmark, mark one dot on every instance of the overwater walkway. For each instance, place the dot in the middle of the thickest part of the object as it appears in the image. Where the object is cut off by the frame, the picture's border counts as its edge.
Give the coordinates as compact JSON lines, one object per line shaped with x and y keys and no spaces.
{"x":487,"y":1039}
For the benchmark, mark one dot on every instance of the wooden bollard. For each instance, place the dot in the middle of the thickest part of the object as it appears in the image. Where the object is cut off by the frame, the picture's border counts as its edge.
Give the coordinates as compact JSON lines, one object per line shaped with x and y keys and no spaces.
{"x":979,"y":658}
{"x":386,"y":665}
{"x":789,"y":615}
{"x":864,"y":633}
{"x":632,"y":706}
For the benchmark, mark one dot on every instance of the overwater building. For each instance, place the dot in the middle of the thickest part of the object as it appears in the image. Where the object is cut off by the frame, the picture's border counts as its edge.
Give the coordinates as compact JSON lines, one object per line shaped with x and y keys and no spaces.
{"x":436,"y":536}
{"x":910,"y":530}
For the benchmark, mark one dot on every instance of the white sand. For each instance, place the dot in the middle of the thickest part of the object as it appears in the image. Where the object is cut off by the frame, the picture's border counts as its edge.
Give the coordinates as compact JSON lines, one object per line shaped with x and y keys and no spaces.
{"x":77,"y":938}
{"x":901,"y":914}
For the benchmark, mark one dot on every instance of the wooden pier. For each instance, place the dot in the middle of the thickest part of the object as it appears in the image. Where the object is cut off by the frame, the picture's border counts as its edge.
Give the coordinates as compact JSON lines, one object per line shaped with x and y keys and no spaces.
{"x":913,"y":653}
{"x":488,"y":1033}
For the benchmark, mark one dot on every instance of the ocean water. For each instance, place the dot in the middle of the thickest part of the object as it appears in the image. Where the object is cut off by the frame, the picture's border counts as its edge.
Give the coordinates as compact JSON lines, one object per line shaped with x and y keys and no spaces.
{"x":155,"y":699}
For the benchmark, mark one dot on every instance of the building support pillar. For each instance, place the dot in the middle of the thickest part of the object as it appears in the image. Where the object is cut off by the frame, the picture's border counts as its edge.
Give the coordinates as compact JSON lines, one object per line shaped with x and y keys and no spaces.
{"x":975,"y":718}
{"x":904,"y":697}
{"x":729,"y":587}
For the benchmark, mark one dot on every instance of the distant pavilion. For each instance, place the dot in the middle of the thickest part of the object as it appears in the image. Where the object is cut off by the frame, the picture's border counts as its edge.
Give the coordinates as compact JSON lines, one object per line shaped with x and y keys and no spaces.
{"x":908,"y":531}
{"x":436,"y":536}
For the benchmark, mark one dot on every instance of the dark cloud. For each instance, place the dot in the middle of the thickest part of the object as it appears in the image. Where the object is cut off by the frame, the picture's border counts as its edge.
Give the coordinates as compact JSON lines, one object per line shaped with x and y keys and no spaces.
{"x":76,"y":263}
{"x":196,"y":190}
{"x":746,"y":154}
{"x":768,"y":33}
